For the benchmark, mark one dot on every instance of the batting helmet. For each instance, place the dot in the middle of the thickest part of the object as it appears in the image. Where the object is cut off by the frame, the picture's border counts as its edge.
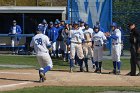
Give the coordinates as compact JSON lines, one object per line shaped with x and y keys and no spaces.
{"x":40,"y":27}
{"x":96,"y":27}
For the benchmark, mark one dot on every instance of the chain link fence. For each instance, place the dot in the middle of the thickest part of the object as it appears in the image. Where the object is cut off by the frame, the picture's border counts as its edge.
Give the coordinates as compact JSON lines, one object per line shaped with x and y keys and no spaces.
{"x":124,"y":12}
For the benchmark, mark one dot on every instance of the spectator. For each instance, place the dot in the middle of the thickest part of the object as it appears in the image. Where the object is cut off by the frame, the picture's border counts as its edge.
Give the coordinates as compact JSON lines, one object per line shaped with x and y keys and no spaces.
{"x":15,"y":29}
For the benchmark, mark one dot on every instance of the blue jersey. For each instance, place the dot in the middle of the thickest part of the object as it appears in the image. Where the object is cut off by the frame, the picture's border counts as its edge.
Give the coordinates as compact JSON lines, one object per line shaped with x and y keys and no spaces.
{"x":52,"y":34}
{"x":18,"y":29}
{"x":60,"y":37}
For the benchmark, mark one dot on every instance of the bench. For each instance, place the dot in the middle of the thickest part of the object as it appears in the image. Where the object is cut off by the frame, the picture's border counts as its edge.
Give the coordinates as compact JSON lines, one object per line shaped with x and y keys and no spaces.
{"x":5,"y":41}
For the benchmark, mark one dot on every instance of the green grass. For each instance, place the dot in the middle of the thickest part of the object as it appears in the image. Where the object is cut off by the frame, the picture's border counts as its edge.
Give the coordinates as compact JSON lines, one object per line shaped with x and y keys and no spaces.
{"x":125,"y":65}
{"x":31,"y":61}
{"x":54,"y":89}
{"x":58,"y":63}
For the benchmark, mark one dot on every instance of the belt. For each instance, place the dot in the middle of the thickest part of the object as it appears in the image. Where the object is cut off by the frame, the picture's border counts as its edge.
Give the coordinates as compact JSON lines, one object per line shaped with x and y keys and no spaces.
{"x":98,"y":45}
{"x":76,"y":42}
{"x":115,"y":43}
{"x":88,"y":41}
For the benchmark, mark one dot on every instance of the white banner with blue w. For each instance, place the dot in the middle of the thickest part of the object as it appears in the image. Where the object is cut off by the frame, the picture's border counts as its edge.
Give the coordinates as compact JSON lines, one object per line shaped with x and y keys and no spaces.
{"x":91,"y":11}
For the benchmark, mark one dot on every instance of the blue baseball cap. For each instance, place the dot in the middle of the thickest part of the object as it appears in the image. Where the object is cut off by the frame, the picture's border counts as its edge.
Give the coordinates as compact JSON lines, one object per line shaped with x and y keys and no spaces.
{"x":66,"y":22}
{"x":55,"y":22}
{"x":81,"y":21}
{"x":51,"y":23}
{"x":62,"y":21}
{"x":56,"y":19}
{"x":86,"y":23}
{"x":75,"y":23}
{"x":114,"y":24}
{"x":96,"y":27}
{"x":44,"y":21}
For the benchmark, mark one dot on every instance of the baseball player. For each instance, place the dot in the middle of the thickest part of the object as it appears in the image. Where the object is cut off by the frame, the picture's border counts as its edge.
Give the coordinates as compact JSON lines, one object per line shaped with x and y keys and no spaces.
{"x":76,"y":37}
{"x":59,"y":42}
{"x":44,"y":22}
{"x":15,"y":29}
{"x":98,"y":41}
{"x":116,"y":48}
{"x":81,"y":24}
{"x":101,"y":28}
{"x":65,"y":34}
{"x":53,"y":35}
{"x":41,"y":43}
{"x":87,"y":45}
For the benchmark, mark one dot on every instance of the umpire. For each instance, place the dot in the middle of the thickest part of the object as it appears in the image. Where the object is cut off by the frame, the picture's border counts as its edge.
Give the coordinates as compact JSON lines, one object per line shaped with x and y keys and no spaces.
{"x":134,"y":49}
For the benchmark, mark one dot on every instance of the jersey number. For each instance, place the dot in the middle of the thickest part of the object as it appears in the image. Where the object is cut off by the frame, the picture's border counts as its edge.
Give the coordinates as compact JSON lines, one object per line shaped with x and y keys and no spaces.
{"x":38,"y":41}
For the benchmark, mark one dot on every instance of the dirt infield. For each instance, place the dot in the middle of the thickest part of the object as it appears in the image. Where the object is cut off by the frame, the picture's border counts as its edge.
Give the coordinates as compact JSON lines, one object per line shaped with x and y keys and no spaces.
{"x":21,"y":78}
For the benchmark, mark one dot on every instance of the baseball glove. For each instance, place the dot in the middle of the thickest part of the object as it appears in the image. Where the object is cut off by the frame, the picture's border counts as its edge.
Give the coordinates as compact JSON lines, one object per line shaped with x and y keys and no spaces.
{"x":107,"y":34}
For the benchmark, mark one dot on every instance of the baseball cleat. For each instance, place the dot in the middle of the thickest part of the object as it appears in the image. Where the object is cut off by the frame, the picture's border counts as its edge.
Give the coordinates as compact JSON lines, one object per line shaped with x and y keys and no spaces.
{"x":64,"y":59}
{"x":93,"y":66}
{"x":138,"y":74}
{"x":42,"y":77}
{"x":71,"y":70}
{"x":118,"y":72}
{"x":100,"y":71}
{"x":96,"y":70}
{"x":81,"y":70}
{"x":113,"y":72}
{"x":87,"y":70}
{"x":128,"y":74}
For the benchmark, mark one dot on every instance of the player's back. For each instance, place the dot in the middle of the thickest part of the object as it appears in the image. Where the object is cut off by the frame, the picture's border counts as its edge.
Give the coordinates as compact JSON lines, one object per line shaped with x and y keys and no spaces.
{"x":40,"y":43}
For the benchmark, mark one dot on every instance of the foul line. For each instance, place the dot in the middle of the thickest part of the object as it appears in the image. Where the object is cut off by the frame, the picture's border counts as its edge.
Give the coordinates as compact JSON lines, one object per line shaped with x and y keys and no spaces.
{"x":13,"y":85}
{"x":16,"y":73}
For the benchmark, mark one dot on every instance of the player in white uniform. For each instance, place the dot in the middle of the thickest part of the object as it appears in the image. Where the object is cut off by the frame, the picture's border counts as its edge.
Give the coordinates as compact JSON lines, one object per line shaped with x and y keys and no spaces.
{"x":116,"y":48}
{"x":87,"y":45}
{"x":41,"y":43}
{"x":98,"y":42}
{"x":81,"y":24}
{"x":76,"y":38}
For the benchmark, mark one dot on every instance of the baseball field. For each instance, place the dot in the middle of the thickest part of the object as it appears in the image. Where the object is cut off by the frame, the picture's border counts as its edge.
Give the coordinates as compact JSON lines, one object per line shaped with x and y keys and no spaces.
{"x":18,"y":74}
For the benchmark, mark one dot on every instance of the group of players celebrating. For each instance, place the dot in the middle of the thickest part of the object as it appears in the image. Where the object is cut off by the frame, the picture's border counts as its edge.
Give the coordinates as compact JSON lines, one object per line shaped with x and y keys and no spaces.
{"x":77,"y":42}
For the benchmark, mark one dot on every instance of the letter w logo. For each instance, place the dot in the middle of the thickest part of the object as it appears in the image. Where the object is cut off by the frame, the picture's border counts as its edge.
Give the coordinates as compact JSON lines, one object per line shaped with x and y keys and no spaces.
{"x":91,"y":9}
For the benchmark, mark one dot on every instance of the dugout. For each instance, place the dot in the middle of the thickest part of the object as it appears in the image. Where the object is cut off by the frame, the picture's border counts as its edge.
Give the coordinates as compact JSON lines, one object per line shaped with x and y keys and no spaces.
{"x":28,"y":18}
